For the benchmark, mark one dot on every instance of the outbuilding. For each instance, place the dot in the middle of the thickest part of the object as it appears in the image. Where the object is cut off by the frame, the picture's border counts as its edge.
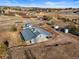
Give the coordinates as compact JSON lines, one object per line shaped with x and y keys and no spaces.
{"x":34,"y":34}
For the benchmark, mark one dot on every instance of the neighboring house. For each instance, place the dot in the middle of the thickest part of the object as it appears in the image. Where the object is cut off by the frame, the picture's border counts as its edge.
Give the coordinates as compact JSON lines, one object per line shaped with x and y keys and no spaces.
{"x":34,"y":34}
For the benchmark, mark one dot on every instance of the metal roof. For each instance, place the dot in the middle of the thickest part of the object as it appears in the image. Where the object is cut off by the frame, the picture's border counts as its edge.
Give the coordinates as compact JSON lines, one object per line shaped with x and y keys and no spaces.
{"x":32,"y":33}
{"x":27,"y":34}
{"x":42,"y":31}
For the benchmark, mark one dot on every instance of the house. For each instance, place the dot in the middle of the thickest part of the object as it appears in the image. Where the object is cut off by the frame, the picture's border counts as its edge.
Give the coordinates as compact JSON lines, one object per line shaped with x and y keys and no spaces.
{"x":34,"y":34}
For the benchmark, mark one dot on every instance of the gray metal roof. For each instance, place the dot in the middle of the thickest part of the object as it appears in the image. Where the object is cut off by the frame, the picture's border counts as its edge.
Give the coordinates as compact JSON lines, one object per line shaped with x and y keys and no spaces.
{"x":32,"y":33}
{"x":42,"y":31}
{"x":27,"y":34}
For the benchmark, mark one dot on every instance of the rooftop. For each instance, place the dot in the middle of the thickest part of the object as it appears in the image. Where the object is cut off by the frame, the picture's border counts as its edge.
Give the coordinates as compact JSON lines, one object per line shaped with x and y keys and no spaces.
{"x":29,"y":32}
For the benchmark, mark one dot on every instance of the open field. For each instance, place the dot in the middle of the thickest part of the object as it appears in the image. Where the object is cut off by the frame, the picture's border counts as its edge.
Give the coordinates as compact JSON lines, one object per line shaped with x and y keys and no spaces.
{"x":60,"y":46}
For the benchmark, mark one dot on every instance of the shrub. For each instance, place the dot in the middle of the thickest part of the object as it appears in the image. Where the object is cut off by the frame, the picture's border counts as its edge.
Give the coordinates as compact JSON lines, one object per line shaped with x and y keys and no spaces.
{"x":51,"y":23}
{"x":3,"y":48}
{"x":48,"y":18}
{"x":73,"y":27}
{"x":13,"y":28}
{"x":64,"y":19}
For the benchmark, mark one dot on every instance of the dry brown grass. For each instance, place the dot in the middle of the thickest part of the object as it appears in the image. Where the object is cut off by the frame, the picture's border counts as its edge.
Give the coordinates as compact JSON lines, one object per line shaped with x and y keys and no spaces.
{"x":15,"y":39}
{"x":55,"y":48}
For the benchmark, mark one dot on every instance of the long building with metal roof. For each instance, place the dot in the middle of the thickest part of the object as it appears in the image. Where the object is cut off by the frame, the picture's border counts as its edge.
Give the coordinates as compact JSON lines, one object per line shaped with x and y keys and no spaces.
{"x":30,"y":33}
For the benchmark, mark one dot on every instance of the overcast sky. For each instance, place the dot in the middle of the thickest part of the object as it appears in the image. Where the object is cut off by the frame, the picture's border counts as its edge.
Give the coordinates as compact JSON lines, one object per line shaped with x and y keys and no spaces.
{"x":41,"y":3}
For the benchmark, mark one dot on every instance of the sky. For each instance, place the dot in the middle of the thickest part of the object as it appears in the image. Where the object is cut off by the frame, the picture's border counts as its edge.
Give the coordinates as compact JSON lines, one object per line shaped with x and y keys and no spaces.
{"x":41,"y":3}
